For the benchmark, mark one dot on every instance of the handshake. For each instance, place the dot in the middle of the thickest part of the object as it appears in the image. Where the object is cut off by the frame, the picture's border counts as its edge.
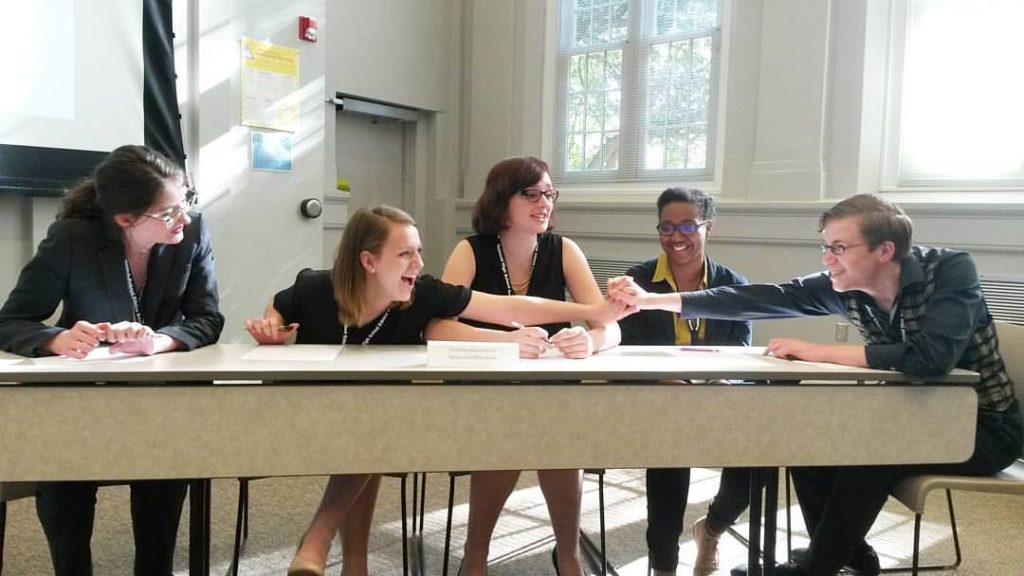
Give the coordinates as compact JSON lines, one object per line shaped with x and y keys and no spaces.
{"x":624,"y":291}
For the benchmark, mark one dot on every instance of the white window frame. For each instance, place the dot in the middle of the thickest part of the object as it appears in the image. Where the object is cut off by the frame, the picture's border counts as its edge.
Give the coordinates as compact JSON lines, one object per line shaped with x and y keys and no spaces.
{"x":893,"y":176}
{"x":632,"y":116}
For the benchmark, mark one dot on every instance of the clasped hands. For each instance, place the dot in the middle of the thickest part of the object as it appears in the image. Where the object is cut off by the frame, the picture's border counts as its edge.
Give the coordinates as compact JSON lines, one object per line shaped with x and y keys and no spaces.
{"x":625,"y":292}
{"x":573,"y":342}
{"x":126,"y":337}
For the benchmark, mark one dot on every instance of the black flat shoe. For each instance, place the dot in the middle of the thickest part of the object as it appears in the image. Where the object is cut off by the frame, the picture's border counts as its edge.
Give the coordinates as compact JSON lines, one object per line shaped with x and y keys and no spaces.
{"x":787,"y":569}
{"x":864,"y":561}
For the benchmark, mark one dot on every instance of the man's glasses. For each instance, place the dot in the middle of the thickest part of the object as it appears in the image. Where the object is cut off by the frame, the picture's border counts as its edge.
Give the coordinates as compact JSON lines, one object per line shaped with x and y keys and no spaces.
{"x":533,"y":194}
{"x":836,"y":248}
{"x":667,"y":228}
{"x":170,"y":217}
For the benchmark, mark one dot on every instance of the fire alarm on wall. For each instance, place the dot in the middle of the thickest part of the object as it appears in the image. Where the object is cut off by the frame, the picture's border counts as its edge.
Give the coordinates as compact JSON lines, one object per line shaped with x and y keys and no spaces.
{"x":307,"y":28}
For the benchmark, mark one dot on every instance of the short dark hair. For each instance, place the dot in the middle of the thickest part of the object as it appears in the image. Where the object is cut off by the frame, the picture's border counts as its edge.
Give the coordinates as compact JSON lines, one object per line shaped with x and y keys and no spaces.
{"x":505,"y":179}
{"x":705,"y":204}
{"x":880,"y":221}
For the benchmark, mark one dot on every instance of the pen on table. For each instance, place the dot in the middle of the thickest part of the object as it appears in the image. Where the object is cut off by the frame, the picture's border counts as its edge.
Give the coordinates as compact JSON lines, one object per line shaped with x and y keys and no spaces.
{"x":695,"y":349}
{"x":519,"y":326}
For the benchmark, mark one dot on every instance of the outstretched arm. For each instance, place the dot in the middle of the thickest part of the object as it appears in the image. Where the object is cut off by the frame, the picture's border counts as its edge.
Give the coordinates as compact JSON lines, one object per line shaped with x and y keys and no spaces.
{"x":625,"y":290}
{"x":580,"y":342}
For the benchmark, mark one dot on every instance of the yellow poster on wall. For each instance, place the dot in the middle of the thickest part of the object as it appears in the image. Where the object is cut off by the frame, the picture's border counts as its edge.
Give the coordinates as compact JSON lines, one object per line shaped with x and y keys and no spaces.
{"x":269,"y":86}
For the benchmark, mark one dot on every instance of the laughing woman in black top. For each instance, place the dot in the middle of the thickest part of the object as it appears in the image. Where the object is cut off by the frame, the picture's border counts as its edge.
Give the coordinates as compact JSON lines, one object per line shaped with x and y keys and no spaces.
{"x":131,"y":267}
{"x":374,"y":295}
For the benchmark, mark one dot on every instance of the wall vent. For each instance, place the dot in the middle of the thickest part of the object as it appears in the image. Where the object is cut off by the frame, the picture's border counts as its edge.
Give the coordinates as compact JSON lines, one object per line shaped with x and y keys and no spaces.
{"x":604,"y":269}
{"x":1005,"y":297}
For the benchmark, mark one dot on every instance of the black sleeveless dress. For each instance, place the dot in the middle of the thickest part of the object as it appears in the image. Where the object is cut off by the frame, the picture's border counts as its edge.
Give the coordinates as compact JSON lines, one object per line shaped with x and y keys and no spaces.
{"x":547,"y":281}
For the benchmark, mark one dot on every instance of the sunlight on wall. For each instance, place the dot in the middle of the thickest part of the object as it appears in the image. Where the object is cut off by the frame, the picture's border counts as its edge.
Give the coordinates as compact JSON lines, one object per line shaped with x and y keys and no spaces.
{"x":964,"y":78}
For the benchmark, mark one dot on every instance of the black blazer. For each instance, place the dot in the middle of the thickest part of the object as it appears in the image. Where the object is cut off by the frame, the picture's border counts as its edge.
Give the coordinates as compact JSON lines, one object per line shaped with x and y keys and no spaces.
{"x":657,"y":327}
{"x":81,"y":264}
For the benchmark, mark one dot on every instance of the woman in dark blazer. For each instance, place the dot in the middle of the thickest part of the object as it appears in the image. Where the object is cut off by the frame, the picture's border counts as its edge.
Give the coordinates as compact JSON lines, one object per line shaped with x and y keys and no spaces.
{"x":130,"y":267}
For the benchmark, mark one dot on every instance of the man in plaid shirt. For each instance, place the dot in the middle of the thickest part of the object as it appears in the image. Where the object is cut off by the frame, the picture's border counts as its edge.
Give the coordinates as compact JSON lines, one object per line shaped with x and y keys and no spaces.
{"x":919,"y":310}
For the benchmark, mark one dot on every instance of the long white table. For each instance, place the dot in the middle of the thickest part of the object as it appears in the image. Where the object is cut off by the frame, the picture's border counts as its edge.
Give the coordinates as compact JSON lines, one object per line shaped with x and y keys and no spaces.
{"x":159,"y":417}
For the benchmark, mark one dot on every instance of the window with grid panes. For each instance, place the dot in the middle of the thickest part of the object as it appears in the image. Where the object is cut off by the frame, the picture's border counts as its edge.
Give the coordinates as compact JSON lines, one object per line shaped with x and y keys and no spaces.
{"x":637,"y":95}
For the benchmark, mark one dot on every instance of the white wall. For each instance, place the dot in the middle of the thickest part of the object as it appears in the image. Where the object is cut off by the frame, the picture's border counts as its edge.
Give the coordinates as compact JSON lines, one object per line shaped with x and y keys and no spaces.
{"x":260,"y":239}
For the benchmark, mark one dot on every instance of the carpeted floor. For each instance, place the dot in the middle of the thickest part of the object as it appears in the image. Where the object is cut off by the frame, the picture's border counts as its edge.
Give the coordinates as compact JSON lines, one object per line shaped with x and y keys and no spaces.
{"x":992,"y":529}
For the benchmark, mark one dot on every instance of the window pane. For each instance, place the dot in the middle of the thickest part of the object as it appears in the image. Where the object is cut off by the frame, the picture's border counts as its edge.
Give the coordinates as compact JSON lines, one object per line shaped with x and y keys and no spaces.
{"x":678,"y":98}
{"x":697,"y":147}
{"x":655,"y":150}
{"x":961,"y":114}
{"x":593,"y":110}
{"x":612,"y":110}
{"x":577,"y":72}
{"x":600,"y":22}
{"x":684,"y":16}
{"x":574,"y":152}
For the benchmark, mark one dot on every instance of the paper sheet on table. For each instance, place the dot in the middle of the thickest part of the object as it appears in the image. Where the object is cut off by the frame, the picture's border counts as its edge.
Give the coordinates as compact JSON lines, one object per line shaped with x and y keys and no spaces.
{"x":299,"y":353}
{"x":98,"y":354}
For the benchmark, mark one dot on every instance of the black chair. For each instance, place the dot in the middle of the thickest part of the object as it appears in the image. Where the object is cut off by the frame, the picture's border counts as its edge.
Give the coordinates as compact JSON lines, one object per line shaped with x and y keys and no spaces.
{"x":596,"y":557}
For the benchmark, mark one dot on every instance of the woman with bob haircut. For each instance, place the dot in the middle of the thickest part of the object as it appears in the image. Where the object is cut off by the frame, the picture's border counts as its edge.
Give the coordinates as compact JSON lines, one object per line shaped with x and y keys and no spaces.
{"x":514,"y":252}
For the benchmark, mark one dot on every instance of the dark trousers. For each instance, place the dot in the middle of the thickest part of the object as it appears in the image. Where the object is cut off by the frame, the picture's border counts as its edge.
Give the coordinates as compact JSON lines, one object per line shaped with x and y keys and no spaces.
{"x":667,"y":492}
{"x":67,"y":510}
{"x":840,"y":504}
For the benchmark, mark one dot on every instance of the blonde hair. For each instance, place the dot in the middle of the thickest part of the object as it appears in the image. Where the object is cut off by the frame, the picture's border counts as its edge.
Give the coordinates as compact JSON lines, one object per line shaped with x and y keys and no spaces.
{"x":368,"y":229}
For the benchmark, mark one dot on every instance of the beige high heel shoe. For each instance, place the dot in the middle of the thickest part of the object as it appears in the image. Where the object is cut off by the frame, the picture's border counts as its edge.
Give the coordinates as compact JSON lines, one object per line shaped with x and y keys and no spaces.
{"x":302,"y":567}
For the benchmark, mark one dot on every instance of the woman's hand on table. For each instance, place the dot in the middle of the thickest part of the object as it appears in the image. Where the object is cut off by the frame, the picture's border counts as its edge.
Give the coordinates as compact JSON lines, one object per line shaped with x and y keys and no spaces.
{"x":267,"y":331}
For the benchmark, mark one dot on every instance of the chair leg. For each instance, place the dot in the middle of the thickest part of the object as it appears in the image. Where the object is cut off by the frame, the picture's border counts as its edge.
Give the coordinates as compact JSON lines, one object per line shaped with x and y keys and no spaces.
{"x":789,"y":520}
{"x":915,"y":566}
{"x":423,"y":500}
{"x":448,"y":524}
{"x":597,"y":557}
{"x":419,"y":497}
{"x":600,"y":500}
{"x":405,"y":529}
{"x":241,"y":525}
{"x":3,"y":532}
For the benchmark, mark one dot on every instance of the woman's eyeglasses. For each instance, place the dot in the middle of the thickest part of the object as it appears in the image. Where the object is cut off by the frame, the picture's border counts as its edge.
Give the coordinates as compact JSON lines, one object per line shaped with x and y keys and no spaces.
{"x":667,"y":228}
{"x":170,"y":216}
{"x":533,"y":194}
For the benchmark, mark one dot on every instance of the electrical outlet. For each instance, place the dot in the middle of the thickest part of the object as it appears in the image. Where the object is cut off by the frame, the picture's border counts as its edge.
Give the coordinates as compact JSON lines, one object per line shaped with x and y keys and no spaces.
{"x":842,"y":332}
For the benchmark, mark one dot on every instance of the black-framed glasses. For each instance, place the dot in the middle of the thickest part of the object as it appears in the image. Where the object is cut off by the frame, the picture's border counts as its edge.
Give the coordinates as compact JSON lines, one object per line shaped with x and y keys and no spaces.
{"x":836,"y":248}
{"x":668,"y":228}
{"x":533,"y":194}
{"x":170,"y":217}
